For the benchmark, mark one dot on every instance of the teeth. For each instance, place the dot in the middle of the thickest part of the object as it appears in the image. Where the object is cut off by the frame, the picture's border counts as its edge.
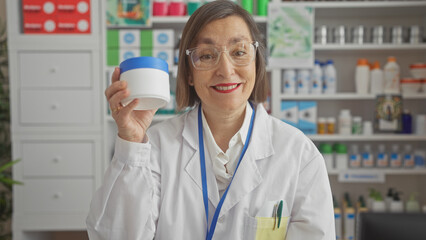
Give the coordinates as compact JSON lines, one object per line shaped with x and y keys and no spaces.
{"x":224,"y":88}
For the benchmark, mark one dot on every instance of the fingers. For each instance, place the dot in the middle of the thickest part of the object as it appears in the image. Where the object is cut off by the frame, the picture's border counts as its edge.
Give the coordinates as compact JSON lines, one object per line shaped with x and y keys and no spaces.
{"x":116,"y":85}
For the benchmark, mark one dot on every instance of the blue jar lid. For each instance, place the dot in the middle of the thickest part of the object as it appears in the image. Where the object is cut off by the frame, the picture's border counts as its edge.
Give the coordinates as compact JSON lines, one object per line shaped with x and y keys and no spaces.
{"x":144,"y":62}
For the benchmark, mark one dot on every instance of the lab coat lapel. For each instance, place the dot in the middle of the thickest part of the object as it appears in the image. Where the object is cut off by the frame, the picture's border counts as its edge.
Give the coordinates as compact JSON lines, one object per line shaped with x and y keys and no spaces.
{"x":248,"y":176}
{"x":193,"y":168}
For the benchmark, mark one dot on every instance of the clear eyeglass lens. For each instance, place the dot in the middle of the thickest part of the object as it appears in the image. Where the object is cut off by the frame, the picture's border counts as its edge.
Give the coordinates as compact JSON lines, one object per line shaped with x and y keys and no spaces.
{"x":240,"y":54}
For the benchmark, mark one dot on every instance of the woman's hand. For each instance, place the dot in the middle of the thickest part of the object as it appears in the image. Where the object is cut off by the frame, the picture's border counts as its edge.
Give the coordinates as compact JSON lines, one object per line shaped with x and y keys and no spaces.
{"x":132,"y":125}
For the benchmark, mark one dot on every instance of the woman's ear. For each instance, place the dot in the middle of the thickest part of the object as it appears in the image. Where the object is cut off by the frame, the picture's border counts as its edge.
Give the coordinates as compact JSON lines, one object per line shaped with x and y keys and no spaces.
{"x":190,"y":81}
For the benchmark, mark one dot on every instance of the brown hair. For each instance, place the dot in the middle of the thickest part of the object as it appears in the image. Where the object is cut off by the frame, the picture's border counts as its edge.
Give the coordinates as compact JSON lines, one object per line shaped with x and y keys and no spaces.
{"x":185,"y":94}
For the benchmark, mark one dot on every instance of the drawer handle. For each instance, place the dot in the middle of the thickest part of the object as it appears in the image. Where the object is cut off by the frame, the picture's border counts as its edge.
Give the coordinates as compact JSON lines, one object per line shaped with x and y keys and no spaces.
{"x":57,"y":195}
{"x":56,"y":159}
{"x":54,"y":106}
{"x":53,"y":69}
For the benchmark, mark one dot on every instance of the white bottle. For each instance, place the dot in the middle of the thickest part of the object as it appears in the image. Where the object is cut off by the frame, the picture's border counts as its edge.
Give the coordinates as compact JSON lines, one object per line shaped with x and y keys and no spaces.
{"x":391,"y":76}
{"x":341,"y":156}
{"x":354,"y":157}
{"x":362,"y":75}
{"x":345,"y":122}
{"x":376,"y":79}
{"x":288,"y":84}
{"x":395,"y":157}
{"x":408,"y":158}
{"x":303,"y":81}
{"x":367,"y":157}
{"x":330,"y":78}
{"x":316,"y":79}
{"x":382,"y":160}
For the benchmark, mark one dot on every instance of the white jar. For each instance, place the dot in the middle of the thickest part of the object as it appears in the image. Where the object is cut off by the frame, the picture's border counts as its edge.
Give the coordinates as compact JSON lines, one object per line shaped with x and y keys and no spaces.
{"x":330,"y":78}
{"x":303,"y":81}
{"x":147,"y":79}
{"x":316,"y":79}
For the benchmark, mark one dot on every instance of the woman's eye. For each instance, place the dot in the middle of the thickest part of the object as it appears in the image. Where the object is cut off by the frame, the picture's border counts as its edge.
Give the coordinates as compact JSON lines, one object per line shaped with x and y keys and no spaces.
{"x":239,"y":53}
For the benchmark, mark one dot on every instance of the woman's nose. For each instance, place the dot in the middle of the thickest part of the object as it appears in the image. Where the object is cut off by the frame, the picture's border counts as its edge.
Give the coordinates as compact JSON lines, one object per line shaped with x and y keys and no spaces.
{"x":226,"y":67}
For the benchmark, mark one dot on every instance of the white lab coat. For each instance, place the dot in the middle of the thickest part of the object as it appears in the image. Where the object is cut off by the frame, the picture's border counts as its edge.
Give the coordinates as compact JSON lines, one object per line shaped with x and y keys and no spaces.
{"x":154,"y":190}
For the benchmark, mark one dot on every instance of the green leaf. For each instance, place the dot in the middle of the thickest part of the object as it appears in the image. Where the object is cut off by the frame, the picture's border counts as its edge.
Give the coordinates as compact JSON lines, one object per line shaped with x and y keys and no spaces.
{"x":9,"y":164}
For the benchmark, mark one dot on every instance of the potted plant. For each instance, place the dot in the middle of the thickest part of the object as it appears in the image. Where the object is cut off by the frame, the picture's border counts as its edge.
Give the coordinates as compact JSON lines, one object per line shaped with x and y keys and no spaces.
{"x":6,"y":181}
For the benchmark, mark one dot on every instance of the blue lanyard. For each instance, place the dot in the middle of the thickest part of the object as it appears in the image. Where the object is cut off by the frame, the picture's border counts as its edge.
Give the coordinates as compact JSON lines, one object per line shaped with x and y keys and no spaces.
{"x":210,"y":231}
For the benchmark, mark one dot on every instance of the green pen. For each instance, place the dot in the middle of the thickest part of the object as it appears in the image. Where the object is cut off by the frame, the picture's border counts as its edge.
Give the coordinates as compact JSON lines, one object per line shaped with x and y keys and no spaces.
{"x":280,"y":209}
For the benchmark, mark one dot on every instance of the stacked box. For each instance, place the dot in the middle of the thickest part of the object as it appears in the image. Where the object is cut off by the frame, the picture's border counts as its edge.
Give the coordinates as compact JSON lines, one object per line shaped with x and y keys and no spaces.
{"x":123,"y":44}
{"x":289,"y":112}
{"x":308,"y":117}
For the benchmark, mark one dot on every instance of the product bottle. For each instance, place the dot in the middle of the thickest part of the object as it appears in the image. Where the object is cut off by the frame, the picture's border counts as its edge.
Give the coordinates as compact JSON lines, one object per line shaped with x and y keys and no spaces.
{"x":345,"y":122}
{"x":327,"y":152}
{"x":337,"y":220}
{"x":392,"y":75}
{"x":396,"y":205}
{"x":354,"y":157}
{"x":262,"y":7}
{"x":382,"y":159}
{"x":376,"y":79}
{"x":331,"y":125}
{"x":289,"y":82}
{"x":367,"y":157}
{"x":330,"y":78}
{"x":362,"y":75}
{"x":395,"y":157}
{"x":408,"y":158}
{"x":247,"y":5}
{"x":193,"y":5}
{"x":321,"y":126}
{"x":316,"y":79}
{"x":349,"y":221}
{"x":357,"y":125}
{"x":341,"y":159}
{"x":303,"y":81}
{"x":407,"y":122}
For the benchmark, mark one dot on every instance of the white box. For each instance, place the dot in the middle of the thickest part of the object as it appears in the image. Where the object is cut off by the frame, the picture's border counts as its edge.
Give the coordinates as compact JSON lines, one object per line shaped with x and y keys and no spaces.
{"x":163,"y":38}
{"x":289,"y":112}
{"x":308,"y":117}
{"x":129,"y":38}
{"x":164,"y":53}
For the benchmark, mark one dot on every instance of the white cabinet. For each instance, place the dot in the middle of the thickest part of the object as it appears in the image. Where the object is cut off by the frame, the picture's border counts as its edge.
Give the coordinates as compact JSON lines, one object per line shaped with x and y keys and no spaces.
{"x":55,"y":92}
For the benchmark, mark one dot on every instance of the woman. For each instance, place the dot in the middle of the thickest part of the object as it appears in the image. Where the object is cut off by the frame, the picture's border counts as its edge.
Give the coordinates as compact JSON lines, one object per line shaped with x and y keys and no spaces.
{"x":223,"y":170}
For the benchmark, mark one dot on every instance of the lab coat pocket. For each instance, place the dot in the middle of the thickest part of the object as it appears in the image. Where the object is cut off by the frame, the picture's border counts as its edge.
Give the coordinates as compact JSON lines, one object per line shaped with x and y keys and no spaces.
{"x":267,"y":228}
{"x":262,"y":228}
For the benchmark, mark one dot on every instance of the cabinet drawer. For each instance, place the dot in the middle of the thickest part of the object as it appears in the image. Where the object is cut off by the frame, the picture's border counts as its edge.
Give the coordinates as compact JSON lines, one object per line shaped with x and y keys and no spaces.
{"x":57,"y":195}
{"x":56,"y":106}
{"x":59,"y":158}
{"x":55,"y":69}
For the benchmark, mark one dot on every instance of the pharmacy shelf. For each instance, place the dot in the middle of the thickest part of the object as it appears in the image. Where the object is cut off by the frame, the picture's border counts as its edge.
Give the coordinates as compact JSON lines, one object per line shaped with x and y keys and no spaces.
{"x":369,"y":47}
{"x":184,"y":19}
{"x":157,"y":117}
{"x":342,"y":96}
{"x":361,"y":138}
{"x":388,"y":171}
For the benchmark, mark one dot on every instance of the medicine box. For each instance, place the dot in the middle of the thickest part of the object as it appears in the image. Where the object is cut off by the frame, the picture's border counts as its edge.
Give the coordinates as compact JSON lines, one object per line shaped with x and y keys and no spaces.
{"x":307,"y":117}
{"x":289,"y":112}
{"x":158,"y":38}
{"x":117,"y":55}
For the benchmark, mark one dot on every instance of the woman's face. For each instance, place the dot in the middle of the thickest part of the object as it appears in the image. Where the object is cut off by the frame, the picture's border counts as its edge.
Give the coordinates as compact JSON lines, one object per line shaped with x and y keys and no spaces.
{"x":225,"y":87}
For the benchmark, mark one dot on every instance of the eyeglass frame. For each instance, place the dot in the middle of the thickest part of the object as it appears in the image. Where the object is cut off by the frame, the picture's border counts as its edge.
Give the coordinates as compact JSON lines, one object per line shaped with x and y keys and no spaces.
{"x":189,"y":51}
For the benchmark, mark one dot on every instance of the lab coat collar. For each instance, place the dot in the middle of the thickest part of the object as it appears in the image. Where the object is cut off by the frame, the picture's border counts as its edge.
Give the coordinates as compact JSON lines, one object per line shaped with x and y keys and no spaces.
{"x":248,"y":176}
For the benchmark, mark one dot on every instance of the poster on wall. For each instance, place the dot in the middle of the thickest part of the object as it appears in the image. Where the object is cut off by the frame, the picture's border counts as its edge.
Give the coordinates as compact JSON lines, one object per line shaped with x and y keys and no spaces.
{"x":290,"y":36}
{"x":128,"y":13}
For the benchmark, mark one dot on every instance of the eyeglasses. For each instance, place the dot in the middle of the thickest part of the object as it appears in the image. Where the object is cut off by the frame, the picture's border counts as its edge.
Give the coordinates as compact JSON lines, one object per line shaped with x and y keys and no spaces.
{"x":207,"y":57}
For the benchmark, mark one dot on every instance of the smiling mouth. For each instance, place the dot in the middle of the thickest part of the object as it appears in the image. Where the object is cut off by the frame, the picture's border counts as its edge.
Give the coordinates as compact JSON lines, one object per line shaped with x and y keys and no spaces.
{"x":226,"y":88}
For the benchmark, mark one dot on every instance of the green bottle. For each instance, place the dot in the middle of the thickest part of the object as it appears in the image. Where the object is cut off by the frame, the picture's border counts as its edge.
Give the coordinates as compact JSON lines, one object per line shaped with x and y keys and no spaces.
{"x":262,"y":7}
{"x":247,"y":5}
